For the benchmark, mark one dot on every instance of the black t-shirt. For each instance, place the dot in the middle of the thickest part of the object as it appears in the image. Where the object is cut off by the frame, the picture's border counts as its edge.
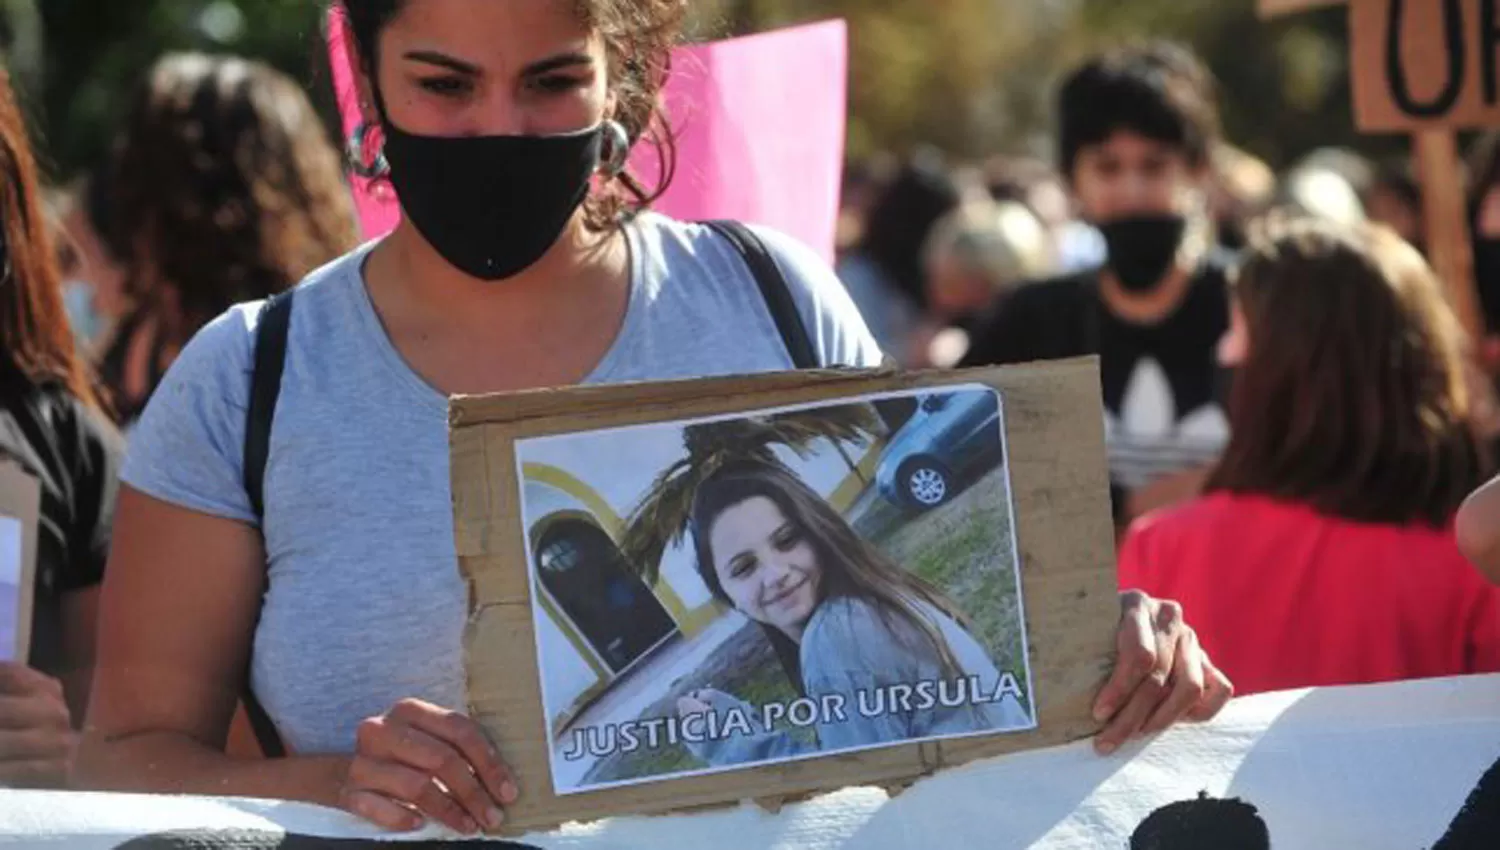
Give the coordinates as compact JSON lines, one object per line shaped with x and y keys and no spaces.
{"x":1162,"y":413}
{"x":75,"y":453}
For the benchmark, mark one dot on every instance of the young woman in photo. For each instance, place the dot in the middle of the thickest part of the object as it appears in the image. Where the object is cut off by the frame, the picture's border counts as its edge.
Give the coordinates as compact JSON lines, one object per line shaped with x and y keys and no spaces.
{"x":842,"y":618}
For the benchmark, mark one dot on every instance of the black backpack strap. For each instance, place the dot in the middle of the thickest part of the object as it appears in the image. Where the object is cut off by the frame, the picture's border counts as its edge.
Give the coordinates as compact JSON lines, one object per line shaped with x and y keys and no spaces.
{"x":773,"y":287}
{"x":271,"y":333}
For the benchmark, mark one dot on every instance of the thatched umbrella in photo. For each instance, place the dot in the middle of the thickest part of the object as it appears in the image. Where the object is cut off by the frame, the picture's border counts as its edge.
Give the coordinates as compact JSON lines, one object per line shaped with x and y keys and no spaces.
{"x":661,"y":519}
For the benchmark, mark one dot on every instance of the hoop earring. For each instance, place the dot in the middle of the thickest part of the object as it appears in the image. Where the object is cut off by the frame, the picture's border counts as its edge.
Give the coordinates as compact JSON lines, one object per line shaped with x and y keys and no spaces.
{"x":358,"y":158}
{"x":616,"y":150}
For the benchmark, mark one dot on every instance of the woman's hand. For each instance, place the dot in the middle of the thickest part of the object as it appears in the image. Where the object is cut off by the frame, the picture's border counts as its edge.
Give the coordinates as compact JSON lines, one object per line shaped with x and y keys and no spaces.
{"x":37,"y":741}
{"x":1161,"y":676}
{"x":419,"y":762}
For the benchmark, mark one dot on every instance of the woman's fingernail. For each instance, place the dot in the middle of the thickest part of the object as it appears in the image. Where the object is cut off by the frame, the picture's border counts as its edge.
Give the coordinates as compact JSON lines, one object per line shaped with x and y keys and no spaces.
{"x":494,"y":818}
{"x":470,"y":827}
{"x":509,"y":792}
{"x":1107,"y":748}
{"x":1103,"y":711}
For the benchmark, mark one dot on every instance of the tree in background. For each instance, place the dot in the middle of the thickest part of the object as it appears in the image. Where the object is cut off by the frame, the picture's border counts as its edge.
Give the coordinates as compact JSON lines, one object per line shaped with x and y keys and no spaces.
{"x":971,"y":76}
{"x":96,"y":51}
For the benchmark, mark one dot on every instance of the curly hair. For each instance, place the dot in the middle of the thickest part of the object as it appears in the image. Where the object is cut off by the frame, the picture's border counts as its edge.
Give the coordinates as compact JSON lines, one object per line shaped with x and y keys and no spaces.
{"x":225,"y":188}
{"x":638,"y":38}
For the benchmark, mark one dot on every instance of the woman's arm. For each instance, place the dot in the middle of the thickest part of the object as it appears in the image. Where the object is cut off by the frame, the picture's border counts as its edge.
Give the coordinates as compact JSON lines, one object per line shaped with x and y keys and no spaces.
{"x":1479,"y":530}
{"x":181,"y":598}
{"x":177,"y":614}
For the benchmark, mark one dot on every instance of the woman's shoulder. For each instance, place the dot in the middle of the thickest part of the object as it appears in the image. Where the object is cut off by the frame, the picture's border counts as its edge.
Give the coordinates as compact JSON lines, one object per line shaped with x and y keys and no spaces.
{"x":857,"y":623}
{"x":222,"y":350}
{"x":187,"y":448}
{"x":78,"y":432}
{"x":710,"y":262}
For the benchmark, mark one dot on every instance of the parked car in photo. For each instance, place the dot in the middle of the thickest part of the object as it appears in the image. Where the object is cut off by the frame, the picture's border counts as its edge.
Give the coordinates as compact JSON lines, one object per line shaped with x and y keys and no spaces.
{"x":950,"y":442}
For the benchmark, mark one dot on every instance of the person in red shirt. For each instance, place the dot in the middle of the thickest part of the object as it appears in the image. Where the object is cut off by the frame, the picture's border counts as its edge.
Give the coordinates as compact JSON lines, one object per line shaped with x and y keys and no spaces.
{"x":1323,"y":552}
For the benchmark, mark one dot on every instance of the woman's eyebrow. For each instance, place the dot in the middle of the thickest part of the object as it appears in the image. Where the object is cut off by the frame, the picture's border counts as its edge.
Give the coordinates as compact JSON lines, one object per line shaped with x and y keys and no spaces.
{"x":557,"y":63}
{"x":443,"y":60}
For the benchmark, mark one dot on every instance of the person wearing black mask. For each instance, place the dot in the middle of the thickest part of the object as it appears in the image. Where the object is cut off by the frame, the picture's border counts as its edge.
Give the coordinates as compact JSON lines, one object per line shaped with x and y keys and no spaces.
{"x":526,"y":258}
{"x":1137,"y":126}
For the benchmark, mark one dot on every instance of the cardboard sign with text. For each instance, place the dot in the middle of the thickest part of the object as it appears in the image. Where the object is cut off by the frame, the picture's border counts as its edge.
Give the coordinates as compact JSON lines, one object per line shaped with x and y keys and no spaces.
{"x":897,"y":574}
{"x":1425,"y":64}
{"x":20,"y":506}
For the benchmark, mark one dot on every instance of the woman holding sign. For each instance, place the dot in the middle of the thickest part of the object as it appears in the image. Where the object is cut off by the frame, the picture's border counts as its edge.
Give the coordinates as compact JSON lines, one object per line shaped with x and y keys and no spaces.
{"x":51,"y":426}
{"x":525,"y":259}
{"x":845,"y":621}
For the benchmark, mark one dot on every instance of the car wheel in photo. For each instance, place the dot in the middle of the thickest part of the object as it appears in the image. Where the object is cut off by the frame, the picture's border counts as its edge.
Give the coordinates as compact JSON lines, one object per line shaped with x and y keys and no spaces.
{"x":926,"y":483}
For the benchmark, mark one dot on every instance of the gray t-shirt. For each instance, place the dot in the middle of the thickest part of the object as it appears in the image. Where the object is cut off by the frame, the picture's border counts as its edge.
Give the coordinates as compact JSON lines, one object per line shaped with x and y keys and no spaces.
{"x":366,"y":605}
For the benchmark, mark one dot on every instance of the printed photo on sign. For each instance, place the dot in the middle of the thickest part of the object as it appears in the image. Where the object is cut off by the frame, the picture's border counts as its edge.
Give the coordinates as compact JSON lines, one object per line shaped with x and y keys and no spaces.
{"x":715,"y":595}
{"x":10,"y":587}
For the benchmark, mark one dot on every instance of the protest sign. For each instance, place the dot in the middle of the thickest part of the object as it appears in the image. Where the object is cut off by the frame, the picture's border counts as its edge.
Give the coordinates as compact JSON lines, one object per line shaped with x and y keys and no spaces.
{"x":759,"y":123}
{"x":954,"y":528}
{"x":20,"y":506}
{"x":730,"y":105}
{"x":1388,"y":767}
{"x":1430,"y":67}
{"x":1425,"y":64}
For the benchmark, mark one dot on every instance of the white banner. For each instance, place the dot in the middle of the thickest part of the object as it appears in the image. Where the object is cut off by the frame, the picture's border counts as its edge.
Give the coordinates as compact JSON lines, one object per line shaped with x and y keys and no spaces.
{"x":1390,"y":766}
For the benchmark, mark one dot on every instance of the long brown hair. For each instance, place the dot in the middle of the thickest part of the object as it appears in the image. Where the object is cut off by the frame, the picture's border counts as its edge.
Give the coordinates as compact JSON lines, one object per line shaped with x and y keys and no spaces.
{"x":1352,"y":397}
{"x":851,"y":566}
{"x":35,"y":338}
{"x":226,"y":188}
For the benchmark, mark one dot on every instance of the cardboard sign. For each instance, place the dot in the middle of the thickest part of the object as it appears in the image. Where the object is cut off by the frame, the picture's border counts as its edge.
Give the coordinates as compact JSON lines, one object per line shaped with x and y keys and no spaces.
{"x":732,"y":106}
{"x":545,"y":482}
{"x":20,"y":507}
{"x":1388,"y":767}
{"x":1425,"y":64}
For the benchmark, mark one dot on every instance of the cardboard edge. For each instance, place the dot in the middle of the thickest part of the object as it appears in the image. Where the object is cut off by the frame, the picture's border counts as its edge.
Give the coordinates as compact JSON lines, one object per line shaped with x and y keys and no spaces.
{"x":543,"y":406}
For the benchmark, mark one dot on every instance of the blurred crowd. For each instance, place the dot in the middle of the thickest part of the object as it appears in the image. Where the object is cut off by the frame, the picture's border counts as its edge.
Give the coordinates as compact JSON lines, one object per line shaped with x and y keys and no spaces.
{"x":1294,"y":417}
{"x":928,"y":245}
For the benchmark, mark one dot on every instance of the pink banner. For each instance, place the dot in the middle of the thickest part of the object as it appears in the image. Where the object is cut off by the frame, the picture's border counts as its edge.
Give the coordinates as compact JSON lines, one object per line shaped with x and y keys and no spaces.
{"x":759,"y":123}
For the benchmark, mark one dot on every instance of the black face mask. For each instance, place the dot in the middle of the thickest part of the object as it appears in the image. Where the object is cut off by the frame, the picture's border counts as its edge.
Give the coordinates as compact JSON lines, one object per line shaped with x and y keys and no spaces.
{"x":1143,"y":248}
{"x":492,"y":206}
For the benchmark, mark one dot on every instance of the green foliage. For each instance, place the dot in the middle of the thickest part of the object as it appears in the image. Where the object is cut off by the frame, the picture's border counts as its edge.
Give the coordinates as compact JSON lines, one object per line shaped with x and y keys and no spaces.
{"x":97,"y":50}
{"x":972,"y":76}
